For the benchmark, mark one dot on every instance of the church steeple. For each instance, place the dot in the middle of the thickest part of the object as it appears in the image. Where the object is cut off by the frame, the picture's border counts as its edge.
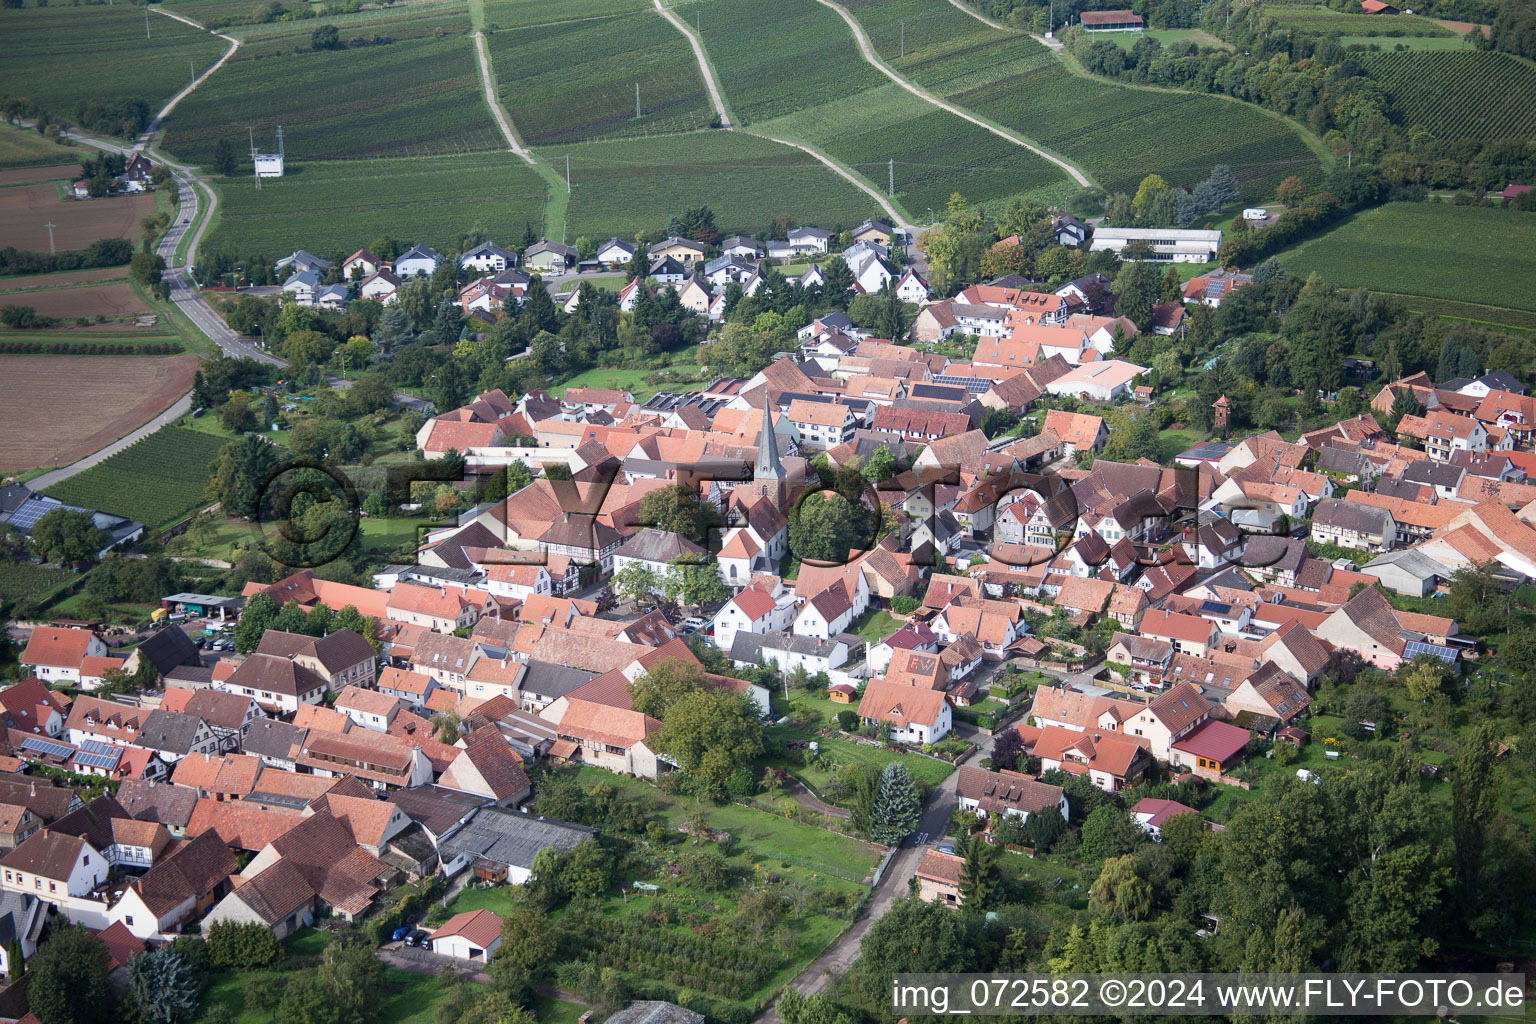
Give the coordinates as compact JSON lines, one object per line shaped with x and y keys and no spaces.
{"x":768,"y":465}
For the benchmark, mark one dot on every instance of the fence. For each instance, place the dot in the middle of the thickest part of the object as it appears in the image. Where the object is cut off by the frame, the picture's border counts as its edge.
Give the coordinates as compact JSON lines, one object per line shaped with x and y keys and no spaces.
{"x":884,"y":863}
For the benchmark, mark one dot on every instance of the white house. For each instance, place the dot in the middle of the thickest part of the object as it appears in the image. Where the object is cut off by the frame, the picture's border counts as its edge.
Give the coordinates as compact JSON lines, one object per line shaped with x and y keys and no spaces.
{"x":825,"y":615}
{"x":1006,"y":793}
{"x":870,"y":274}
{"x":915,"y":715}
{"x":301,"y":287}
{"x":810,"y":240}
{"x":472,"y":935}
{"x":53,"y":866}
{"x":380,"y":286}
{"x":741,"y":245}
{"x":54,"y":655}
{"x":912,"y":288}
{"x":332,"y":297}
{"x":787,"y":652}
{"x":418,"y":259}
{"x":488,"y":258}
{"x":753,"y":610}
{"x":1101,"y":381}
{"x":615,"y":252}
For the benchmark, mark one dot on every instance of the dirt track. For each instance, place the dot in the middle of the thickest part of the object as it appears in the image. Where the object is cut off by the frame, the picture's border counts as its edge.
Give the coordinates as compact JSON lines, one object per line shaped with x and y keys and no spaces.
{"x":56,"y":409}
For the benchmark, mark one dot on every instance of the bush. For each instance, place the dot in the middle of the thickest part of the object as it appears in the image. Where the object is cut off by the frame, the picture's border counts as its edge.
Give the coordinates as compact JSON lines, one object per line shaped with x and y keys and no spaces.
{"x":848,"y":720}
{"x":242,"y":947}
{"x":905,"y":605}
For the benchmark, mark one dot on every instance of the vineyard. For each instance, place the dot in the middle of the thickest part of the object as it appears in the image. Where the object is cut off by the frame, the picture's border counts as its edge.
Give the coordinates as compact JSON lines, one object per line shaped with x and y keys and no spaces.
{"x":22,"y":580}
{"x":22,"y":148}
{"x":1460,"y":94}
{"x":1443,"y":252}
{"x":411,"y":22}
{"x":56,"y":44}
{"x":936,"y":153}
{"x":575,"y":80}
{"x":521,"y":14}
{"x":155,"y":481}
{"x":1321,"y":21}
{"x":340,"y":103}
{"x":801,"y":77}
{"x":1119,"y":134}
{"x":623,"y":187}
{"x":345,"y":204}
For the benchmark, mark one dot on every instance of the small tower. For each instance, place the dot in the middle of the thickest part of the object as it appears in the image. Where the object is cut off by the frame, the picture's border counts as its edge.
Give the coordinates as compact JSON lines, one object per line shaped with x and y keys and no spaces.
{"x":768,"y":476}
{"x":1223,"y":408}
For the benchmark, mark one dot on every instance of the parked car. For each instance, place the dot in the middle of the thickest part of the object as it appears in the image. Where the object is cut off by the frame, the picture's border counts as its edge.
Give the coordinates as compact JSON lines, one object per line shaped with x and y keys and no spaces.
{"x":399,"y":934}
{"x":694,"y":623}
{"x":419,"y":939}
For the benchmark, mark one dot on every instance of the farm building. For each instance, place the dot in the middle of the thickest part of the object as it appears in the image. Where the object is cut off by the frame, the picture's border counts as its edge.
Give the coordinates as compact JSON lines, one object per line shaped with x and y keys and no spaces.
{"x":1175,"y":245}
{"x":1115,"y":21}
{"x":1378,"y":7}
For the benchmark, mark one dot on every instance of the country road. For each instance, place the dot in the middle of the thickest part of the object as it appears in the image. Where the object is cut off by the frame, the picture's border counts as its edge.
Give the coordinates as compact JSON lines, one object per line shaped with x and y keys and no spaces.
{"x":868,"y":50}
{"x":715,"y":95}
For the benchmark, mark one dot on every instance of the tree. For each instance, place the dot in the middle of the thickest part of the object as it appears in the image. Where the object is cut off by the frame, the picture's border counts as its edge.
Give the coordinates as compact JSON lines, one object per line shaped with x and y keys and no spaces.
{"x":325,"y":38}
{"x":68,"y":979}
{"x":1423,"y":677}
{"x":146,"y":268}
{"x":897,"y":809}
{"x":696,"y":584}
{"x":495,"y":1007}
{"x":1107,"y":832}
{"x":242,"y":947}
{"x":979,"y":875}
{"x":1120,"y":892}
{"x":66,"y":536}
{"x":290,"y":618}
{"x":225,"y":161}
{"x":1137,"y":286}
{"x":527,"y":944}
{"x":347,"y":988}
{"x":1224,"y":185}
{"x":912,"y":937}
{"x":711,"y":733}
{"x":241,"y":474}
{"x":664,"y":684}
{"x":238,"y":414}
{"x":635,"y":581}
{"x":1478,"y":601}
{"x":350,"y":618}
{"x":795,"y":1008}
{"x":824,"y":526}
{"x":679,"y":509}
{"x":586,"y":869}
{"x":1150,"y":186}
{"x":1474,"y":802}
{"x":1043,"y":828}
{"x":1291,"y":191}
{"x":1006,"y":748}
{"x":162,"y":984}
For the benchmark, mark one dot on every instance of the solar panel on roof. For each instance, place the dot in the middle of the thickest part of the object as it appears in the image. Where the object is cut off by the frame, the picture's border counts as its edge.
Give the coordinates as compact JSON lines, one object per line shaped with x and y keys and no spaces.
{"x":98,"y":754}
{"x":48,"y":748}
{"x":1415,"y":648}
{"x":977,"y":385}
{"x":1214,"y":608}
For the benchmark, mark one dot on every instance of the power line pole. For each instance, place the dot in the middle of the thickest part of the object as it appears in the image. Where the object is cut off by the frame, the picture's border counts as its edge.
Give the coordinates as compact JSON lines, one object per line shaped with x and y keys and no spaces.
{"x":567,"y":174}
{"x":891,"y":186}
{"x":903,"y":38}
{"x":50,"y":226}
{"x":251,"y":131}
{"x":191,"y":72}
{"x":146,"y":23}
{"x":637,"y":101}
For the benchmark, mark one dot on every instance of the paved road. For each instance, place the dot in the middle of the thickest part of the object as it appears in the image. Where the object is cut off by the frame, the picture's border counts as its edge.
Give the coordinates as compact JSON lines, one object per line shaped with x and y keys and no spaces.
{"x":182,"y":406}
{"x":839,"y":957}
{"x":715,"y":95}
{"x":873,"y":58}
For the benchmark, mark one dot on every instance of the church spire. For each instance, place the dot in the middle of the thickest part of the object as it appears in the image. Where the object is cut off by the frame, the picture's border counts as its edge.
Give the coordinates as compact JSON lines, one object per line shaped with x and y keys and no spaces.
{"x":768,"y":465}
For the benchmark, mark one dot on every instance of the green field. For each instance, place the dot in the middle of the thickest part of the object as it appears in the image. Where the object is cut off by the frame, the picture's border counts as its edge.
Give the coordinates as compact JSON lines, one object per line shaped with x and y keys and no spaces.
{"x":623,"y":187}
{"x":1322,"y":21}
{"x":22,"y":147}
{"x":72,"y":54}
{"x":575,"y":80}
{"x":800,"y":76}
{"x":410,"y":98}
{"x":339,"y":205}
{"x":155,"y":482}
{"x":1479,"y":95}
{"x":1439,"y":251}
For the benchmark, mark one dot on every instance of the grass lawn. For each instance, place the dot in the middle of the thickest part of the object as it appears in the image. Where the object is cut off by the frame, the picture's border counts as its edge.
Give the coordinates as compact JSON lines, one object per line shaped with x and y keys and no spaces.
{"x":1172,"y":442}
{"x":1168,"y":37}
{"x":556,"y":1011}
{"x":632,"y":381}
{"x":876,"y":625}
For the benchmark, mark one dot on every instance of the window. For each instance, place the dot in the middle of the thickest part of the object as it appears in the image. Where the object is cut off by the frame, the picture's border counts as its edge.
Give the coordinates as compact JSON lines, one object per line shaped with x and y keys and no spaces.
{"x":128,"y":920}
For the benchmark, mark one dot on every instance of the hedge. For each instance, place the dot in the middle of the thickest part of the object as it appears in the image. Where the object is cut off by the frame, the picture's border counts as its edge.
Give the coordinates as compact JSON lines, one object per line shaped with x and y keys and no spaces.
{"x":88,"y":348}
